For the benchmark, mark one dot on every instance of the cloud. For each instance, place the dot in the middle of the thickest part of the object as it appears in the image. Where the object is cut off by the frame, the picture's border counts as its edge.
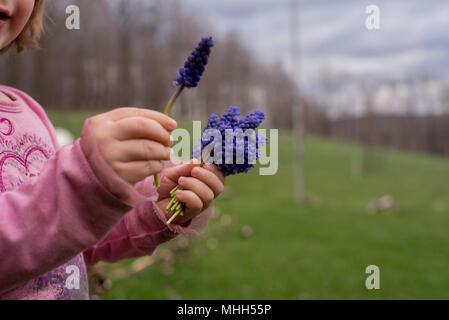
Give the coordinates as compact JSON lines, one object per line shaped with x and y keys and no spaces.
{"x":413,"y":36}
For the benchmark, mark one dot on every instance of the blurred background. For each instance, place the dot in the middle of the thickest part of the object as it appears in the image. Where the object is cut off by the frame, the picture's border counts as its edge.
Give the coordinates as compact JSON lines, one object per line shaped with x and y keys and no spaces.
{"x":364,"y":125}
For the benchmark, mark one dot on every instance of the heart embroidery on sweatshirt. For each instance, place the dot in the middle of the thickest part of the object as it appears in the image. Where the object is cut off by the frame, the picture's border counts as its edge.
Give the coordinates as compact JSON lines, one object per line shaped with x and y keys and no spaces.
{"x":23,"y":159}
{"x":22,"y":162}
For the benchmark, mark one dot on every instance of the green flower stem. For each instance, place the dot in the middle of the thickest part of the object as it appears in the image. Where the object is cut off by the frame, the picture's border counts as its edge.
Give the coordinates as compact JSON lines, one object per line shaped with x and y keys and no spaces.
{"x":174,"y":204}
{"x":168,"y":209}
{"x":170,"y":104}
{"x":173,"y":100}
{"x":172,"y":192}
{"x":174,"y":216}
{"x":157,"y":183}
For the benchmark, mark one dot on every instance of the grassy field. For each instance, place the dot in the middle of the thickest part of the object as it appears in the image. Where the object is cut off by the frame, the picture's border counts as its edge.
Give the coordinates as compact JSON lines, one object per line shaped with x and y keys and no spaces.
{"x":317,"y":250}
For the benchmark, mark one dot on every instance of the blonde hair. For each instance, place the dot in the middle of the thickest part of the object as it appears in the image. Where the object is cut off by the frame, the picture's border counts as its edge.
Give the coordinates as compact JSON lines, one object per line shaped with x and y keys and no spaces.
{"x":30,"y":34}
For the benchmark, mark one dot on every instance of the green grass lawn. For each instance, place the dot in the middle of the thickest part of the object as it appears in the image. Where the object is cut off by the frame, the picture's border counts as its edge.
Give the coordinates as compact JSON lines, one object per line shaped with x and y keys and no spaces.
{"x":319,"y":249}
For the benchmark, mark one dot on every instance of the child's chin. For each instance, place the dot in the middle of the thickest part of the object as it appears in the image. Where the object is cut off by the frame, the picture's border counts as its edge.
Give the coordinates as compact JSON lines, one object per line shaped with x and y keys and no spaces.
{"x":3,"y":42}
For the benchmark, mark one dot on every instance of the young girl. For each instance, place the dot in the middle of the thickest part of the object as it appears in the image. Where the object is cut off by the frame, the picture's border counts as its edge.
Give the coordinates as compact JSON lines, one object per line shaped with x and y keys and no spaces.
{"x":94,"y":200}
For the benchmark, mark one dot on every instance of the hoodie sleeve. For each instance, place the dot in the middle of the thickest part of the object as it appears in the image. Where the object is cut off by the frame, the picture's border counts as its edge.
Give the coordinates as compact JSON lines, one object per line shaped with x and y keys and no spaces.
{"x":55,"y":216}
{"x":143,"y":229}
{"x":69,"y":207}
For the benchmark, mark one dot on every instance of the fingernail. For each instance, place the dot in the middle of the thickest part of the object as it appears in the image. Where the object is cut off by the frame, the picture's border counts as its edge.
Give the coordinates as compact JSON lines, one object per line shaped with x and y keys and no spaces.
{"x":195,"y":161}
{"x":171,"y":140}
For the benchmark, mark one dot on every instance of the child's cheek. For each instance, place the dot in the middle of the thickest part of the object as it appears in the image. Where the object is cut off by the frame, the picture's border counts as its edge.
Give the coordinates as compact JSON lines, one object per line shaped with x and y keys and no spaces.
{"x":22,"y":13}
{"x":20,"y":16}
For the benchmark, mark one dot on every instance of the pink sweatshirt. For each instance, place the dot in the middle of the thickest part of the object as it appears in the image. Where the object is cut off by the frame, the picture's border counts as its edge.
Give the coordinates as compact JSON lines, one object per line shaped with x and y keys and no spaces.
{"x":63,"y":208}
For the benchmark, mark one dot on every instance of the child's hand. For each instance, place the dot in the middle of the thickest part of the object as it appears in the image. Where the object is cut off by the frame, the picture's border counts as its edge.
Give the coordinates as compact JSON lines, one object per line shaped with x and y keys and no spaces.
{"x":201,"y":186}
{"x":133,"y":141}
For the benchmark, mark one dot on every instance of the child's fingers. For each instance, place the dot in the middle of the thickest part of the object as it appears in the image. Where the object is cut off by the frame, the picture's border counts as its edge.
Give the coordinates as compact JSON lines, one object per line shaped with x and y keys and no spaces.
{"x":201,"y":189}
{"x":210,"y":179}
{"x":136,"y":171}
{"x":214,"y":169}
{"x":141,"y":128}
{"x":128,"y":112}
{"x":141,"y":150}
{"x":193,"y":203}
{"x":175,"y":172}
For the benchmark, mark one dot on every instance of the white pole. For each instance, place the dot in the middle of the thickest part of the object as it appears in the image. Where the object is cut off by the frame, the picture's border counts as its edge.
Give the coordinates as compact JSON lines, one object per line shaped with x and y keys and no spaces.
{"x":298,"y":110}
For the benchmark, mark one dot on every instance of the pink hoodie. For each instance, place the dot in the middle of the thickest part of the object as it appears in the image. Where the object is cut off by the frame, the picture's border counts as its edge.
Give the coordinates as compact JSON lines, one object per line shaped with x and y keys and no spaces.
{"x":63,"y":208}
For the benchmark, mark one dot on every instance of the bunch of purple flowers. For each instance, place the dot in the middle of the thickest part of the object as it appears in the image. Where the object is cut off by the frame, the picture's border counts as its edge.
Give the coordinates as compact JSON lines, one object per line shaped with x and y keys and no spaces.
{"x":232,"y":153}
{"x":228,"y":142}
{"x":237,"y":146}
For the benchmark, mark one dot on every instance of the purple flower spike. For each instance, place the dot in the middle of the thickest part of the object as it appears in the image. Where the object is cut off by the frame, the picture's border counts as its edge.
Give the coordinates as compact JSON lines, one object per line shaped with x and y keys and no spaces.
{"x":190,"y":74}
{"x":252,"y":121}
{"x":249,"y":145}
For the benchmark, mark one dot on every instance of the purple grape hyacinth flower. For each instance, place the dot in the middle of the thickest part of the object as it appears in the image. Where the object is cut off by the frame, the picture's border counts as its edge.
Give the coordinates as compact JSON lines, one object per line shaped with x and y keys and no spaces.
{"x":190,"y":74}
{"x":230,"y":163}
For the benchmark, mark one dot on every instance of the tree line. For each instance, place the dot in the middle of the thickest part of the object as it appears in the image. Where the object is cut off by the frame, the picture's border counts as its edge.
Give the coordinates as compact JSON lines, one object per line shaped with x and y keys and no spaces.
{"x":127,"y":53}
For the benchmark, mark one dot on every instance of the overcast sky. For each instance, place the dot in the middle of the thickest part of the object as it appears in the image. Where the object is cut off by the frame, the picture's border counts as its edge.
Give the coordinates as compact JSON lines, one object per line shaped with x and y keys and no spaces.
{"x":414,"y":34}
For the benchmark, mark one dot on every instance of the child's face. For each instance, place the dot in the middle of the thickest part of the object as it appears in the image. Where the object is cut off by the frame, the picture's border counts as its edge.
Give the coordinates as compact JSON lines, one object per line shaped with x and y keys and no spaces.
{"x":14,"y":15}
